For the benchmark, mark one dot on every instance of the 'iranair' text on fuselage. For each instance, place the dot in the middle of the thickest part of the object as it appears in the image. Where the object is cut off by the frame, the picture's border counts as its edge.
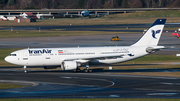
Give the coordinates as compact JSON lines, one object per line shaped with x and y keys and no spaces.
{"x":39,"y":52}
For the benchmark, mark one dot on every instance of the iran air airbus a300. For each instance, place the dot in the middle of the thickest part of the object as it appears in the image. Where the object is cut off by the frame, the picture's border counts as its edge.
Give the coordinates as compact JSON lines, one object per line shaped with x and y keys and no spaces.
{"x":74,"y":58}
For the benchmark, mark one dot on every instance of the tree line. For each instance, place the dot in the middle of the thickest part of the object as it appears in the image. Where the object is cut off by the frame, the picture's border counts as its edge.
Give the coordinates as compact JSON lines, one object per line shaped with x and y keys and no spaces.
{"x":82,"y":4}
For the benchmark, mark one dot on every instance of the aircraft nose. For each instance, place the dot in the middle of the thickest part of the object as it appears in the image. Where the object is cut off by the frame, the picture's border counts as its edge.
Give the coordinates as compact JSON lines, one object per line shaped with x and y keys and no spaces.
{"x":11,"y":60}
{"x":6,"y":59}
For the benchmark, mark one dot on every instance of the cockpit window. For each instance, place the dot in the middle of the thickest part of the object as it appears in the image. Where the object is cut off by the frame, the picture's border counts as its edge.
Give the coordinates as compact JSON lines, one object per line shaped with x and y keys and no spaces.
{"x":12,"y":55}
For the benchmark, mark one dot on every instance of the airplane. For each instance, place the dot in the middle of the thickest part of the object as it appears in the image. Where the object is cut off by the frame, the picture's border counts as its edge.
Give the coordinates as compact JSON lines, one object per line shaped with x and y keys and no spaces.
{"x":75,"y":57}
{"x":3,"y":18}
{"x":41,"y":16}
{"x":82,"y":14}
{"x":85,"y":13}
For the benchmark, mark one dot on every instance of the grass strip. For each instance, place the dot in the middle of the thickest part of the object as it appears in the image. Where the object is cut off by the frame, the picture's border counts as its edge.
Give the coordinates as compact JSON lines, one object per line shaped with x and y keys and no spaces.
{"x":21,"y":33}
{"x":4,"y":53}
{"x":9,"y":86}
{"x":147,"y":14}
{"x":154,"y":59}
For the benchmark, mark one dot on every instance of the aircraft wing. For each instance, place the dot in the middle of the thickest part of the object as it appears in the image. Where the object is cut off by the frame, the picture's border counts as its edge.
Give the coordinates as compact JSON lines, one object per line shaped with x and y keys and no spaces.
{"x":92,"y":14}
{"x":98,"y":57}
{"x":71,"y":15}
{"x":99,"y":14}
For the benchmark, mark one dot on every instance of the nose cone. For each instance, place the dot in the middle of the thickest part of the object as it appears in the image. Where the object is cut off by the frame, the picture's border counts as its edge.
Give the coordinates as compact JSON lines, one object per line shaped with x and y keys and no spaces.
{"x":12,"y":60}
{"x":7,"y":59}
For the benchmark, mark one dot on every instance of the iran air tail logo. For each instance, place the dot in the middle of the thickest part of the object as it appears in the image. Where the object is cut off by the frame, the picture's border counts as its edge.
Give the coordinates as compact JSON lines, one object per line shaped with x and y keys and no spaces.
{"x":155,"y":32}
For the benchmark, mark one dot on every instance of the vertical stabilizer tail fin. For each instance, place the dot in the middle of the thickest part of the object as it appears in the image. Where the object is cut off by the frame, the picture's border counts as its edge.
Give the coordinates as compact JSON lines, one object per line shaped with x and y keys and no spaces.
{"x":153,"y":34}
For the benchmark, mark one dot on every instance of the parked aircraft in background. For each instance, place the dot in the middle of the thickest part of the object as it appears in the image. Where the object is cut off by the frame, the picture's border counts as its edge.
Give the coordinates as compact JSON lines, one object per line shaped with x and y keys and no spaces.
{"x":41,"y":16}
{"x":74,"y":58}
{"x":85,"y":13}
{"x":82,"y":14}
{"x":3,"y":18}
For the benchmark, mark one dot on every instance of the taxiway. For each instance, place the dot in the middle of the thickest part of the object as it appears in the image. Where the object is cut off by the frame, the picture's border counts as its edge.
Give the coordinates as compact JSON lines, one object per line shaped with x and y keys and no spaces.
{"x":60,"y":84}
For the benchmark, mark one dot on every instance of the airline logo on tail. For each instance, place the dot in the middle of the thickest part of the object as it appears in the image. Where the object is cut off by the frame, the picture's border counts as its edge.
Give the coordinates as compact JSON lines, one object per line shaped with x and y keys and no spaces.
{"x":155,"y":32}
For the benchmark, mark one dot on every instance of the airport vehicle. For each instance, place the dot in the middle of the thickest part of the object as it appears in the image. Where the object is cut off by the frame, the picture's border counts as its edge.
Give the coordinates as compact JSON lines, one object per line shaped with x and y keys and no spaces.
{"x":115,"y":38}
{"x":75,"y":57}
{"x":175,"y":34}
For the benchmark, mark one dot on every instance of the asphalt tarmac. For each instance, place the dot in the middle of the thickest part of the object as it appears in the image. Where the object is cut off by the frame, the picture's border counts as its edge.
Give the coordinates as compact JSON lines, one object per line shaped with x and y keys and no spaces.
{"x":100,"y":83}
{"x":124,"y":27}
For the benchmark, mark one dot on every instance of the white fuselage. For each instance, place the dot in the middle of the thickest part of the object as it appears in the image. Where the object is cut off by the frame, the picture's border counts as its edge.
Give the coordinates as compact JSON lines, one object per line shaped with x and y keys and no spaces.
{"x":85,"y":13}
{"x":55,"y":56}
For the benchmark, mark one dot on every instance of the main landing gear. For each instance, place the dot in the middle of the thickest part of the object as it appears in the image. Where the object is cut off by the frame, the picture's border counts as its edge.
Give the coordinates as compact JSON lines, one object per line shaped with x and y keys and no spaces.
{"x":77,"y":70}
{"x":87,"y":70}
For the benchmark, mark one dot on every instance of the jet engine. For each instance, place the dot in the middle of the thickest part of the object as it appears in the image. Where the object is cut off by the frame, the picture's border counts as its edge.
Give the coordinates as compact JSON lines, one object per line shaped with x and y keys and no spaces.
{"x":70,"y":65}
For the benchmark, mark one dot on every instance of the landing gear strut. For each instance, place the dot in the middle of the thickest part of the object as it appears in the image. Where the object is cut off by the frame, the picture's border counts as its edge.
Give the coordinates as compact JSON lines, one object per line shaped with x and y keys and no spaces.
{"x":25,"y":71}
{"x":87,"y":70}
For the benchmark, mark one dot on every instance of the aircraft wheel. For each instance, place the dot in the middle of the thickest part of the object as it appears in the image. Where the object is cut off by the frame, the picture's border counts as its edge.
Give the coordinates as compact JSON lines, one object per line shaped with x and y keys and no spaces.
{"x":85,"y":71}
{"x":78,"y":70}
{"x":74,"y":71}
{"x":90,"y":71}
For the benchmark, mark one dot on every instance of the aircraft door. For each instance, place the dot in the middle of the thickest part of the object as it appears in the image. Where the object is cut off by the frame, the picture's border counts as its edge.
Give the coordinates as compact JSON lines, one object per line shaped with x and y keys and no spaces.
{"x":46,"y":59}
{"x":25,"y":58}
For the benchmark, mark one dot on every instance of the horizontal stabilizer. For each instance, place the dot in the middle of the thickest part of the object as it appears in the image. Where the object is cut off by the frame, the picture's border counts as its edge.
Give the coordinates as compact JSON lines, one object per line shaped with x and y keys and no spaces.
{"x":154,"y":48}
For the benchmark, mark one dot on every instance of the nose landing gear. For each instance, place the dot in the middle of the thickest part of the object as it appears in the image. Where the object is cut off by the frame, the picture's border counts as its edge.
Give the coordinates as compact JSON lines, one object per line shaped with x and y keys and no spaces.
{"x":25,"y":71}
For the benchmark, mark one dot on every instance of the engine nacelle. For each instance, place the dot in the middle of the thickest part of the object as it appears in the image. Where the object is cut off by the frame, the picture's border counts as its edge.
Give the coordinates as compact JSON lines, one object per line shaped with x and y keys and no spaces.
{"x":50,"y":67}
{"x":70,"y":65}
